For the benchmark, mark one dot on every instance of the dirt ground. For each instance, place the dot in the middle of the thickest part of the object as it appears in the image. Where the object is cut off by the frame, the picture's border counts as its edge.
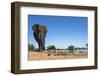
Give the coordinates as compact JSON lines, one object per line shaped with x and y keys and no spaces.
{"x":52,"y":56}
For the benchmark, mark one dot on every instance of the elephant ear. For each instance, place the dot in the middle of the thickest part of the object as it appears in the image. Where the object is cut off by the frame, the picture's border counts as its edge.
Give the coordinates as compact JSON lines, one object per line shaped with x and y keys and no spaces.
{"x":45,"y":28}
{"x":35,"y":27}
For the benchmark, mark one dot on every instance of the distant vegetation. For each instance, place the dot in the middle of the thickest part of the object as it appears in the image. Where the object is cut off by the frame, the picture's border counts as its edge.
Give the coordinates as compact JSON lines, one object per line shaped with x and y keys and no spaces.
{"x":71,"y":48}
{"x":51,"y":47}
{"x":87,"y":46}
{"x":31,"y":47}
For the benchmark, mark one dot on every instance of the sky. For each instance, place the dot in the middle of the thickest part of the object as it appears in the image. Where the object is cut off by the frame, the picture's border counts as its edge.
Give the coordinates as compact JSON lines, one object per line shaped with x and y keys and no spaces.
{"x":63,"y":31}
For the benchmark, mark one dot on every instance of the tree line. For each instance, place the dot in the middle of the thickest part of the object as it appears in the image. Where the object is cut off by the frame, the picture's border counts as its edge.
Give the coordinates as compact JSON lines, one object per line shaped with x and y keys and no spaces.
{"x":53,"y":47}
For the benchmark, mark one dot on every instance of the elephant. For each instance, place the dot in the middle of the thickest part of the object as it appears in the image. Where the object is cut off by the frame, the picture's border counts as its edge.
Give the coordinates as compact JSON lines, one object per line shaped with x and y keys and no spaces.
{"x":39,"y":33}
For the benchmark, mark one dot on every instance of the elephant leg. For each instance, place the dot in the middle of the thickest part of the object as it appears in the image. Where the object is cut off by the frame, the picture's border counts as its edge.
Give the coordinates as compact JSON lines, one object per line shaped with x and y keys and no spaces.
{"x":43,"y":45}
{"x":42,"y":41}
{"x":36,"y":36}
{"x":39,"y":43}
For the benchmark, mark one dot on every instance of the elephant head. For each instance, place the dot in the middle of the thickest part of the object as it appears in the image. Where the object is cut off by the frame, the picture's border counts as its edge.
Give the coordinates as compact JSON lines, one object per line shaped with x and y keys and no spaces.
{"x":39,"y":32}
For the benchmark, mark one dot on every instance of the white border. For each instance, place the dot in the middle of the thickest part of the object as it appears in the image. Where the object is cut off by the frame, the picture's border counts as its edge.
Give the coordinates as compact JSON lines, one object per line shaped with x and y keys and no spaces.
{"x":25,"y":64}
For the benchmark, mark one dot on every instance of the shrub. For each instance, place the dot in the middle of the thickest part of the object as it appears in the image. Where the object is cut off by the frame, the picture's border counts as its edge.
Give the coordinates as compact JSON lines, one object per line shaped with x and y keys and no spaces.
{"x":30,"y":47}
{"x":71,"y":48}
{"x":51,"y":47}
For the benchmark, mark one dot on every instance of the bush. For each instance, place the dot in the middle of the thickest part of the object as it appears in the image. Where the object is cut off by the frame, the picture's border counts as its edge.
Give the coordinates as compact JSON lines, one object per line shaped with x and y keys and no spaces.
{"x":71,"y":48}
{"x":30,"y":47}
{"x":51,"y":47}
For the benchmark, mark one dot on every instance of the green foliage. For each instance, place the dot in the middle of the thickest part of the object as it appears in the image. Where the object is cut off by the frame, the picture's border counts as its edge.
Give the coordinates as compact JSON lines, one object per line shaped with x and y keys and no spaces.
{"x":83,"y":48}
{"x":51,"y":47}
{"x":30,"y":47}
{"x":71,"y":48}
{"x":86,"y":45}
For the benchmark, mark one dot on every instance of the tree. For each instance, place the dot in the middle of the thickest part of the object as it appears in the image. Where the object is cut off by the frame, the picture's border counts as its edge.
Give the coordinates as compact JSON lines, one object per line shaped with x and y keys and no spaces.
{"x":86,"y":45}
{"x":71,"y":48}
{"x":30,"y":47}
{"x":83,"y":48}
{"x":51,"y":47}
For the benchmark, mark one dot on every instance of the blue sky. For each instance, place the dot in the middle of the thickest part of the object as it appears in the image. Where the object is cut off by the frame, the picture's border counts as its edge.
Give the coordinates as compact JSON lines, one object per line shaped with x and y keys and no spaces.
{"x":62,"y":30}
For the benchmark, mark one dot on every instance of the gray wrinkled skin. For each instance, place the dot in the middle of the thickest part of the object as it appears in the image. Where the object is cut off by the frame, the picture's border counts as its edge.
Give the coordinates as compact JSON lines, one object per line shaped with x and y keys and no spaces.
{"x":39,"y":32}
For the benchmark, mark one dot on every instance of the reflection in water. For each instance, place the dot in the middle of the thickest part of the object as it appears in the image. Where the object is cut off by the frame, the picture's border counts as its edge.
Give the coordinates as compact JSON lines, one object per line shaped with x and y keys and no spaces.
{"x":75,"y":51}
